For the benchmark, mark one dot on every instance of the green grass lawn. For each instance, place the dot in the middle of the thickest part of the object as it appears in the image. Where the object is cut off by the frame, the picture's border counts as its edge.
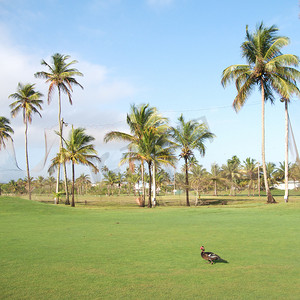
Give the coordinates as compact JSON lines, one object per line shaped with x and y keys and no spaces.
{"x":59,"y":252}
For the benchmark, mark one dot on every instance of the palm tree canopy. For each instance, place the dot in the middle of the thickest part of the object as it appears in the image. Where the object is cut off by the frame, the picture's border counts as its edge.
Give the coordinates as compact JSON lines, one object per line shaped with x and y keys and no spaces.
{"x":266,"y":66}
{"x":27,"y":100}
{"x":5,"y":131}
{"x":78,"y":150}
{"x":139,"y":119}
{"x":60,"y":74}
{"x":152,"y":147}
{"x":190,"y":135}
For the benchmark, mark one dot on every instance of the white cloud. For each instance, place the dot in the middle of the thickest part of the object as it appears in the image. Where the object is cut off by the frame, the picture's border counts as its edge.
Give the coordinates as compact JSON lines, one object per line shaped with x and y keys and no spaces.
{"x":102,"y":87}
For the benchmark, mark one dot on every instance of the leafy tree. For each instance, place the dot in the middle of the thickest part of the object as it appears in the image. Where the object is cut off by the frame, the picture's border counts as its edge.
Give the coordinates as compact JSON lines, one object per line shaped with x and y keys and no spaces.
{"x":199,"y":179}
{"x":28,"y":101}
{"x":266,"y":67}
{"x":60,"y":75}
{"x":189,"y":136}
{"x":5,"y":131}
{"x":78,"y":150}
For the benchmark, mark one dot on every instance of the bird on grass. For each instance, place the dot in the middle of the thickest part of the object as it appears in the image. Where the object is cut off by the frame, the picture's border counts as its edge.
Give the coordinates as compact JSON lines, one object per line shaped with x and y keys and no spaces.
{"x":211,"y":257}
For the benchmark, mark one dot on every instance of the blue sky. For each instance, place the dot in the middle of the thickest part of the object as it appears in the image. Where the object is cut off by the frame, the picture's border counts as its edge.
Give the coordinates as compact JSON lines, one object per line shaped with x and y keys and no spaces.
{"x":169,"y":53}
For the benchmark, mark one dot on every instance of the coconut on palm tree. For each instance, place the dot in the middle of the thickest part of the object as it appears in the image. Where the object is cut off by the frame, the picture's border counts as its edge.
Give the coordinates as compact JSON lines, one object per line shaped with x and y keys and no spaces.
{"x":267,"y":68}
{"x":60,"y":76}
{"x":28,"y":102}
{"x":78,"y":150}
{"x":189,"y":136}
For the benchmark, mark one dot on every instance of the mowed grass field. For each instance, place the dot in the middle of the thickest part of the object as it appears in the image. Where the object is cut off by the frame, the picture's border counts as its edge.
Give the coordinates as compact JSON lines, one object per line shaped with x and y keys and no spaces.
{"x":59,"y":252}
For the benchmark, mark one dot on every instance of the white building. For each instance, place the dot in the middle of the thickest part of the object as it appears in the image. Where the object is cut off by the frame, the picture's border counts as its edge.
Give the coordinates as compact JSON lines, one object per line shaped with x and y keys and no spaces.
{"x":291,"y":185}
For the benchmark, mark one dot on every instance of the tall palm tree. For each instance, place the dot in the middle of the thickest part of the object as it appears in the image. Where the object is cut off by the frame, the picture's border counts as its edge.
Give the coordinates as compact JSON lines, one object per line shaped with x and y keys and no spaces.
{"x":78,"y":150}
{"x":250,"y":170}
{"x":28,"y":101}
{"x":5,"y":131}
{"x":139,"y":119}
{"x":266,"y":67}
{"x":286,"y":171}
{"x":189,"y":136}
{"x":154,"y":148}
{"x":60,"y":75}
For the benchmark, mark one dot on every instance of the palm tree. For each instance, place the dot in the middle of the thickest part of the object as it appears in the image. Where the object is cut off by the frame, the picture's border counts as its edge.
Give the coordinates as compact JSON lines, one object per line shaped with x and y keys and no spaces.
{"x":250,"y":171}
{"x":28,"y":101}
{"x":268,"y":68}
{"x":5,"y":131}
{"x":61,"y":76}
{"x":271,"y":172}
{"x":78,"y":150}
{"x":110,"y":179}
{"x":231,"y":171}
{"x":188,"y":136}
{"x":50,"y":181}
{"x":83,"y":180}
{"x":139,"y":119}
{"x":215,"y":176}
{"x":154,"y":148}
{"x":119,"y":181}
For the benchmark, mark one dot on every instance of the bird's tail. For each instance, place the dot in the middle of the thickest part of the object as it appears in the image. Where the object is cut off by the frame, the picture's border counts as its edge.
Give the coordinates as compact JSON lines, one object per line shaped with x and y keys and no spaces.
{"x":223,"y":261}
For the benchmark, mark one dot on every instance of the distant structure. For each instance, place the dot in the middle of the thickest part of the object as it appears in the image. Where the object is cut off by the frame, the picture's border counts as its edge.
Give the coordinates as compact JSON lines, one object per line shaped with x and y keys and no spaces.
{"x":292,"y":185}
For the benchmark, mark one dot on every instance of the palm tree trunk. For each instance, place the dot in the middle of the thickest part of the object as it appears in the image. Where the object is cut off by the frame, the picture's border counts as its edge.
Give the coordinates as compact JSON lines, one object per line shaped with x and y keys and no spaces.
{"x":258,"y":179}
{"x":215,"y":188}
{"x":64,"y":166}
{"x":150,"y":182}
{"x":27,"y":162}
{"x":154,"y":185}
{"x":286,"y":171}
{"x":60,"y":122}
{"x":73,"y":185}
{"x":270,"y":198}
{"x":143,"y":183}
{"x":56,"y":200}
{"x":186,"y":182}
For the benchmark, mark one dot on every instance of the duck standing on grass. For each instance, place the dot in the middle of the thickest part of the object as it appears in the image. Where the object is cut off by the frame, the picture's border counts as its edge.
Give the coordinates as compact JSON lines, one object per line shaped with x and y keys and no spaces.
{"x":211,"y":257}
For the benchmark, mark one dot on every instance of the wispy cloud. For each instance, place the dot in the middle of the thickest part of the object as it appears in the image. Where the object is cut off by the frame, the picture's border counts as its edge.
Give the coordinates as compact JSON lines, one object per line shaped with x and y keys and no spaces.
{"x":159,"y":3}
